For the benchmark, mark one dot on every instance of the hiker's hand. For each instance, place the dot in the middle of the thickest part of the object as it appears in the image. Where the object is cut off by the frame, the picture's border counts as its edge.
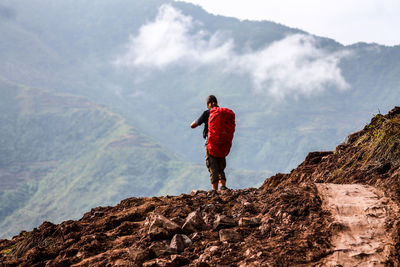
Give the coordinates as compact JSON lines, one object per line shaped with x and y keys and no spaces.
{"x":194,"y":124}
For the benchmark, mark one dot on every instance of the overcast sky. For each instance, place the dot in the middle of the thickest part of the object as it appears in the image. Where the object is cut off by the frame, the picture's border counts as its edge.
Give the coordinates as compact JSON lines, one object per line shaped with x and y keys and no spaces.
{"x":346,"y":21}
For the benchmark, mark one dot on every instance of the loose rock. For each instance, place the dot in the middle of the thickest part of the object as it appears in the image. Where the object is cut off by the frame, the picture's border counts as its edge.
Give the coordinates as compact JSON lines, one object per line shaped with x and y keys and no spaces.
{"x":162,"y":228}
{"x":223,"y":221}
{"x":249,"y":222}
{"x":194,"y":222}
{"x":230,"y":235}
{"x":180,"y":242}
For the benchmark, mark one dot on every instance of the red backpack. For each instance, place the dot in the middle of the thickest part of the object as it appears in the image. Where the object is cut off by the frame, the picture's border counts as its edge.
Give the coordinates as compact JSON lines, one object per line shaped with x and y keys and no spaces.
{"x":221,"y":126}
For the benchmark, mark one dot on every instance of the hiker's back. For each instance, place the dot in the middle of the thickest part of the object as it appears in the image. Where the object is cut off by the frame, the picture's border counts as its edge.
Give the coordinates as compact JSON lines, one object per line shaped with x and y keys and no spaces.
{"x":221,"y":128}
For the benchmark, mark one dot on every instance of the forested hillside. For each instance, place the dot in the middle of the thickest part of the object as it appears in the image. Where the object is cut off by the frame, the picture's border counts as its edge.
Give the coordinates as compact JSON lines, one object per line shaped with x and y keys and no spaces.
{"x":64,"y":154}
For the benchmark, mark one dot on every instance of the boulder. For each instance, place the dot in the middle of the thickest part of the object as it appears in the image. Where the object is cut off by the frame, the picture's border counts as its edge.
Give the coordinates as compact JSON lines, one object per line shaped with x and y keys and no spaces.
{"x":223,"y":221}
{"x":194,"y":222}
{"x":180,"y":242}
{"x":229,"y":235}
{"x":249,"y":222}
{"x":162,"y":228}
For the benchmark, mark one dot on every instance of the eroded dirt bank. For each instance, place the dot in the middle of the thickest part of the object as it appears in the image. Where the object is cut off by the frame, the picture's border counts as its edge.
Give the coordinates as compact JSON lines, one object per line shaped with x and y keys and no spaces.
{"x":359,"y":233}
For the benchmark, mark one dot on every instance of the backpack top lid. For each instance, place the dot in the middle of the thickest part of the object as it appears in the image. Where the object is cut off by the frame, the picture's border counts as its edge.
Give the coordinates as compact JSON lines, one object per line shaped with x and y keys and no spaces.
{"x":221,"y":128}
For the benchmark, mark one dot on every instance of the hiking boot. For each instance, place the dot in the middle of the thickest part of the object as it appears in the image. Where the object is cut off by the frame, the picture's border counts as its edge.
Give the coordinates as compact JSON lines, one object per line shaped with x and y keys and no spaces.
{"x":223,"y":187}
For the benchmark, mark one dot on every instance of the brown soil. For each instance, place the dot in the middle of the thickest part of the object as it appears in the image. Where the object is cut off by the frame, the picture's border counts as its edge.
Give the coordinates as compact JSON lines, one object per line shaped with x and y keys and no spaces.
{"x":315,"y":216}
{"x":287,"y":227}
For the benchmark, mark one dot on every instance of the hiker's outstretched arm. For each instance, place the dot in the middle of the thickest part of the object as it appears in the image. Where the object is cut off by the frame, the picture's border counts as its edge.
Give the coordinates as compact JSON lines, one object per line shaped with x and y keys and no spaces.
{"x":194,"y":124}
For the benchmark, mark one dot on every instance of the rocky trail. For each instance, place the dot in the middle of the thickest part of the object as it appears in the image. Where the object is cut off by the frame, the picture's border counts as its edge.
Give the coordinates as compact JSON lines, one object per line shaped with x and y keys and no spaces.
{"x":337,"y":208}
{"x":360,"y":213}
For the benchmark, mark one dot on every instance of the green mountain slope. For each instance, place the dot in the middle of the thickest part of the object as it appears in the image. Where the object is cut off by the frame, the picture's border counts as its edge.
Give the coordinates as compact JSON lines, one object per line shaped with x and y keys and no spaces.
{"x":65,"y":155}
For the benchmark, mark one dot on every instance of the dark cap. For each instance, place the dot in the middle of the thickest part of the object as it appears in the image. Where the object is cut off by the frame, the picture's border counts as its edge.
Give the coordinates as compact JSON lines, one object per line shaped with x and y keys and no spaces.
{"x":212,"y":99}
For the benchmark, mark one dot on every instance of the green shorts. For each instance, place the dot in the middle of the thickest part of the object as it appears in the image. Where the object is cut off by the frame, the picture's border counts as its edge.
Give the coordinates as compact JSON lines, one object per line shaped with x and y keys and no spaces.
{"x":216,"y":167}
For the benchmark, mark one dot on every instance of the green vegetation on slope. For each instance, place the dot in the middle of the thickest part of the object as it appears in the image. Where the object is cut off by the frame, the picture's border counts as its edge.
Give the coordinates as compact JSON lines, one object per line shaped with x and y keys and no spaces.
{"x":62,"y":155}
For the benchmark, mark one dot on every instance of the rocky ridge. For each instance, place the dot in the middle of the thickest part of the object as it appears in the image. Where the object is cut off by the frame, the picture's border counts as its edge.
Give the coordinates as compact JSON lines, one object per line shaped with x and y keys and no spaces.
{"x":283,"y":223}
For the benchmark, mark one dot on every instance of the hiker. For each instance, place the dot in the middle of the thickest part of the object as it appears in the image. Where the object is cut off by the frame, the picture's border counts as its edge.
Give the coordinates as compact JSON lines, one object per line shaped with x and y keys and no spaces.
{"x":215,"y":153}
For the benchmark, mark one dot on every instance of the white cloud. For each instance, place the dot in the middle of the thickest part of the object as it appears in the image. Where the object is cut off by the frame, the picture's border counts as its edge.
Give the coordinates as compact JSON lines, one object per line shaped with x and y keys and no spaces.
{"x":291,"y":66}
{"x":169,"y":40}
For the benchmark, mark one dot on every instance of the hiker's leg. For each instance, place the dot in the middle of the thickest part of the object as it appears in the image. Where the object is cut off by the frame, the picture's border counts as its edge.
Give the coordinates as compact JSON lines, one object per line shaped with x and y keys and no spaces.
{"x":212,"y":165}
{"x":221,"y":171}
{"x":214,"y":178}
{"x":215,"y":186}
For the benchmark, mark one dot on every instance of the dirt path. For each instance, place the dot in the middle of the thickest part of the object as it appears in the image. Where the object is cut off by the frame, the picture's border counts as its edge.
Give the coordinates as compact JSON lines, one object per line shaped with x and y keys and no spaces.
{"x":359,"y":234}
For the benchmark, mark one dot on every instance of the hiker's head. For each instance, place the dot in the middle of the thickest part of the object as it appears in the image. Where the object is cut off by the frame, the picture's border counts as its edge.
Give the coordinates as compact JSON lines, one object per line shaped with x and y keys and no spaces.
{"x":212,"y":101}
